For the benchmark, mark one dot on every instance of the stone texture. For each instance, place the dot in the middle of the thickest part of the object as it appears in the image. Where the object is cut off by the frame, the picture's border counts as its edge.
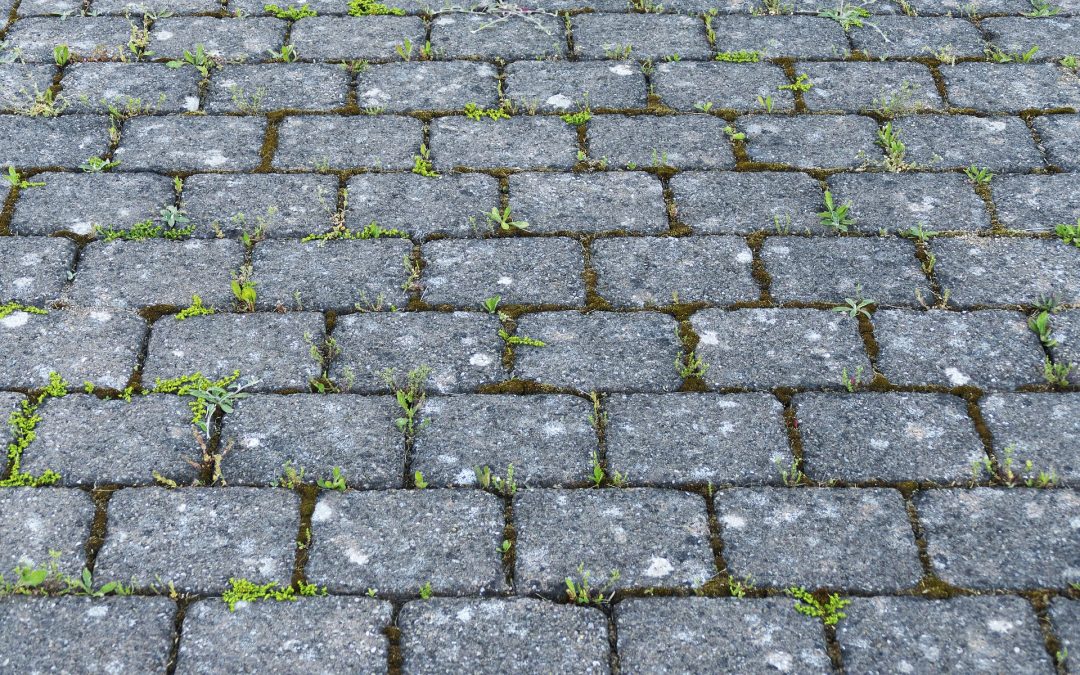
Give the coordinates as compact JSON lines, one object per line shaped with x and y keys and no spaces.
{"x":378,"y":142}
{"x":33,"y":270}
{"x":277,"y":86}
{"x":230,"y":39}
{"x":1065,"y":619}
{"x":729,"y":86}
{"x":63,"y":142}
{"x":654,"y":538}
{"x":897,"y":202}
{"x":282,"y":205}
{"x":1055,"y":36}
{"x":348,"y":38}
{"x":396,"y":541}
{"x":481,"y":36}
{"x":1066,"y":330}
{"x":1059,"y":134}
{"x":858,"y":539}
{"x":1007,"y":271}
{"x":1039,"y":428}
{"x":682,"y":142}
{"x":40,"y":520}
{"x":1036,"y":202}
{"x":453,"y":204}
{"x":553,"y":86}
{"x":958,"y":141}
{"x":519,"y":142}
{"x":76,"y":202}
{"x":718,"y":202}
{"x":792,"y":37}
{"x":891,"y":86}
{"x":22,"y":82}
{"x":435,"y":85}
{"x":190,"y":143}
{"x":96,"y":37}
{"x":150,"y":87}
{"x":906,"y":36}
{"x":825,"y":142}
{"x":647,"y":37}
{"x":995,"y":87}
{"x":626,"y":201}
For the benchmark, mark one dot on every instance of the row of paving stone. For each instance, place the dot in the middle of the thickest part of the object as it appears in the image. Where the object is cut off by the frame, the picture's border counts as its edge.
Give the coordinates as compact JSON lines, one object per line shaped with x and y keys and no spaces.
{"x":652,"y":439}
{"x":964,"y":634}
{"x":465,"y":35}
{"x":390,"y":142}
{"x":545,"y":86}
{"x":745,"y":349}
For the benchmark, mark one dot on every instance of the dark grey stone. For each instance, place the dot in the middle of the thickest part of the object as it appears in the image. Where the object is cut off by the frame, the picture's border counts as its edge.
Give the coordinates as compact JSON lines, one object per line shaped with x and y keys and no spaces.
{"x":1040,"y":428}
{"x":547,"y":438}
{"x":653,"y":538}
{"x":269,"y":348}
{"x":86,"y":37}
{"x":906,"y":36}
{"x":453,"y":204}
{"x":696,"y":438}
{"x":86,"y":635}
{"x":679,"y":141}
{"x":897,"y":202}
{"x":1065,"y":620}
{"x":44,"y":7}
{"x":990,"y":349}
{"x":794,"y":36}
{"x":728,"y":86}
{"x":462,"y":349}
{"x":63,"y":142}
{"x":1037,"y":202}
{"x":40,"y":520}
{"x":335,"y":275}
{"x":486,"y":36}
{"x":76,"y":202}
{"x":805,"y":269}
{"x":719,"y":202}
{"x":327,"y":634}
{"x":161,"y":7}
{"x":981,"y":538}
{"x":21,"y":83}
{"x":1066,"y":330}
{"x":555,"y":86}
{"x":322,"y":7}
{"x":961,"y":8}
{"x":1006,"y":271}
{"x":654,"y":271}
{"x":9,"y":402}
{"x":646,"y":36}
{"x":424,"y":85}
{"x":1055,"y":36}
{"x":375,"y":141}
{"x":808,"y":142}
{"x":346,"y":38}
{"x":398,"y":540}
{"x":593,"y":202}
{"x":479,"y":636}
{"x":994,"y":87}
{"x":184,"y":143}
{"x":717,"y":635}
{"x":283,"y":205}
{"x":600,"y":351}
{"x":763,"y":348}
{"x":143,"y":87}
{"x":199,"y":538}
{"x":958,"y":141}
{"x":315,"y":433}
{"x":962,"y":634}
{"x":519,"y":142}
{"x":230,"y":39}
{"x":891,"y":87}
{"x":33,"y":270}
{"x":276,"y":86}
{"x":90,"y":442}
{"x":520,"y":270}
{"x":1059,"y":135}
{"x":892,"y":437}
{"x":858,"y":539}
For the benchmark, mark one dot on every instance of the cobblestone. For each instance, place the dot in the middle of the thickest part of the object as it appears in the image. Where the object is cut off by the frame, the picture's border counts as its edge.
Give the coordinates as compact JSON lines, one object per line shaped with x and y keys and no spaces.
{"x":596,"y":36}
{"x":282,"y":205}
{"x":350,"y":38}
{"x":190,"y":143}
{"x":958,"y":141}
{"x":62,"y":142}
{"x":454,"y":204}
{"x":378,"y":142}
{"x":153,"y":87}
{"x":1037,"y":202}
{"x":33,"y":270}
{"x":834,"y":142}
{"x":467,"y":35}
{"x":519,"y":142}
{"x":751,"y":201}
{"x":989,"y":87}
{"x":71,"y":202}
{"x":439,"y":85}
{"x":1058,"y":134}
{"x":889,"y":86}
{"x":228,"y":39}
{"x":686,"y":85}
{"x":1038,"y":428}
{"x":38,"y":521}
{"x":268,"y":87}
{"x":553,"y":86}
{"x":787,"y":37}
{"x":898,"y":202}
{"x":626,"y":201}
{"x":905,"y":36}
{"x":682,"y":142}
{"x":1007,"y":271}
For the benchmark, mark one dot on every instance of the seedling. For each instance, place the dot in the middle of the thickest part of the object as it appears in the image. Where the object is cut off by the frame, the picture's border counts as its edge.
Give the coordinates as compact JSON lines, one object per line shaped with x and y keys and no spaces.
{"x":422,"y":163}
{"x":1040,"y":325}
{"x":1057,"y":374}
{"x":895,"y":150}
{"x":578,"y":118}
{"x":1041,"y":9}
{"x":98,"y":165}
{"x":690,"y":365}
{"x":737,"y":588}
{"x":291,"y":13}
{"x":829,"y":611}
{"x":476,"y":113}
{"x":418,"y":480}
{"x":492,"y":304}
{"x":505,"y":221}
{"x":792,"y":475}
{"x":1071,"y":62}
{"x":703,"y":106}
{"x":487,"y":480}
{"x":291,"y":477}
{"x":741,"y":56}
{"x":242,"y":590}
{"x":520,"y":339}
{"x":618,"y":52}
{"x":1070,"y":234}
{"x":195,"y":309}
{"x":410,"y":397}
{"x":199,"y":60}
{"x":505,"y":547}
{"x":243,"y":289}
{"x":919,"y":232}
{"x":61,"y":55}
{"x":335,"y":482}
{"x":802,"y":83}
{"x":425,"y":591}
{"x":216,"y":397}
{"x":853,"y":307}
{"x":850,"y":383}
{"x":1009,"y":476}
{"x":847,"y":15}
{"x":597,"y":476}
{"x":978,"y":175}
{"x":998,"y":55}
{"x":582,"y":593}
{"x":287,"y":54}
{"x":765,"y":102}
{"x":836,"y":216}
{"x":371,"y":8}
{"x":16,"y":180}
{"x":733,"y":134}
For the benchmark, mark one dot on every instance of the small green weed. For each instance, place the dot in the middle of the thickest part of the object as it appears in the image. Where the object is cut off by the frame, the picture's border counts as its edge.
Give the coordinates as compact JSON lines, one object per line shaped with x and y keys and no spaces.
{"x":196,"y":309}
{"x":372,"y":8}
{"x":418,"y":480}
{"x":504,"y":220}
{"x":291,"y":13}
{"x":422,"y":163}
{"x":476,"y":113}
{"x":979,"y":175}
{"x":242,"y":590}
{"x":741,"y":56}
{"x":836,"y":216}
{"x":1070,"y":234}
{"x":853,"y":307}
{"x":829,"y":612}
{"x":487,"y":480}
{"x":335,"y":482}
{"x":802,"y":83}
{"x":16,"y":180}
{"x":581,"y":592}
{"x":520,"y":340}
{"x":410,"y":396}
{"x":98,"y":165}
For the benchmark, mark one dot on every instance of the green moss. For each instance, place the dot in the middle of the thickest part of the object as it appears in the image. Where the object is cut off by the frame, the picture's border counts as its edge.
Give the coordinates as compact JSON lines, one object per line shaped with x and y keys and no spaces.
{"x":242,"y":590}
{"x":10,"y":307}
{"x":144,"y":230}
{"x":476,"y":113}
{"x":196,"y":309}
{"x":741,"y":56}
{"x":290,"y":12}
{"x":372,"y":8}
{"x":23,"y":422}
{"x":185,"y":384}
{"x":370,"y":231}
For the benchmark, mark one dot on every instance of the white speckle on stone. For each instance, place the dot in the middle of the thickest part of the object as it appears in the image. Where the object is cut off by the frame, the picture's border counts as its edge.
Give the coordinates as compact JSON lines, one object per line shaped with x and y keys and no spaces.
{"x":23,"y":282}
{"x":813,"y":336}
{"x":97,"y":611}
{"x":356,"y":557}
{"x":191,"y":103}
{"x":267,"y":567}
{"x":559,"y":101}
{"x":505,"y":281}
{"x":709,"y":337}
{"x":659,"y":567}
{"x":101,"y":317}
{"x":554,"y":429}
{"x":480,"y":360}
{"x":178,"y":353}
{"x":999,"y":625}
{"x":322,"y":513}
{"x":733,"y":521}
{"x":782,"y":661}
{"x":250,"y":442}
{"x":215,"y":158}
{"x":905,"y":667}
{"x":957,"y":378}
{"x":879,"y":444}
{"x":443,"y":20}
{"x":464,"y":615}
{"x":163,"y":34}
{"x":15,"y":320}
{"x":622,"y":70}
{"x":995,"y":125}
{"x":81,"y":227}
{"x":744,"y":257}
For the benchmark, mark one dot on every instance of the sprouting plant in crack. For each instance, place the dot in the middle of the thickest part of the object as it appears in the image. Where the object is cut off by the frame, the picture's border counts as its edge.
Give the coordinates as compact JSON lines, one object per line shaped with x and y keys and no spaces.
{"x":410,"y":395}
{"x":835,"y":216}
{"x":49,"y":580}
{"x":202,"y":62}
{"x":487,"y":480}
{"x":1042,"y":9}
{"x":209,"y":462}
{"x":802,"y":83}
{"x":218,"y":397}
{"x":829,"y":611}
{"x":525,"y":340}
{"x":919,"y":233}
{"x":846,"y":14}
{"x":422,"y":164}
{"x":505,"y":220}
{"x":791,"y":475}
{"x":22,"y":423}
{"x":335,"y":482}
{"x":1009,"y":475}
{"x":419,"y":482}
{"x":15,"y":179}
{"x":195,"y":309}
{"x":243,"y":288}
{"x":978,"y":175}
{"x":1057,"y":374}
{"x":581,"y":592}
{"x":242,"y":590}
{"x":689,"y":364}
{"x":894,"y":148}
{"x":851,"y":382}
{"x":1040,"y":325}
{"x":853,"y":307}
{"x":1070,"y":234}
{"x":598,"y":473}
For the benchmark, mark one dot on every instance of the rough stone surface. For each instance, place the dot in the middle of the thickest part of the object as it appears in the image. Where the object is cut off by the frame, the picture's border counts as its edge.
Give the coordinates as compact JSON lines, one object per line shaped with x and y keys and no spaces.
{"x":278,"y":204}
{"x":472,"y":36}
{"x":908,"y":36}
{"x":563,"y":87}
{"x":149,"y":87}
{"x":88,"y":36}
{"x":1059,"y":134}
{"x":1007,"y":271}
{"x":230,"y":39}
{"x":453,"y":204}
{"x":40,"y":520}
{"x":1037,"y":202}
{"x":792,"y":37}
{"x":190,"y":143}
{"x":33,"y":270}
{"x":277,"y":86}
{"x":350,"y":38}
{"x":890,"y":86}
{"x":1055,"y":36}
{"x":1039,"y":428}
{"x":626,"y":201}
{"x":76,"y":202}
{"x":722,"y":202}
{"x":519,"y":142}
{"x":377,"y":142}
{"x":897,"y":202}
{"x":63,"y":142}
{"x":646,"y":37}
{"x":437,"y":85}
{"x":1066,"y":331}
{"x":682,"y":142}
{"x":833,"y":142}
{"x":684,"y":85}
{"x":1065,"y":619}
{"x":994,"y":87}
{"x":958,"y":141}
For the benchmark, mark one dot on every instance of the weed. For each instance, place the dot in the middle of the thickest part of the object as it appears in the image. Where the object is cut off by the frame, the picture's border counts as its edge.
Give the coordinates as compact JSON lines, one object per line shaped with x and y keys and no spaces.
{"x":422,"y":163}
{"x":371,"y":8}
{"x":370,"y":231}
{"x":802,"y":83}
{"x":1009,"y":476}
{"x":945,"y":55}
{"x":476,"y":113}
{"x":199,"y":60}
{"x":895,"y":150}
{"x":487,"y":480}
{"x":1041,"y":9}
{"x":1071,"y":62}
{"x":61,"y":55}
{"x":690,"y":365}
{"x":774,"y":7}
{"x":98,"y":164}
{"x":410,"y":396}
{"x":978,"y":175}
{"x":733,"y":134}
{"x":765,"y":102}
{"x":425,"y":591}
{"x":792,"y":475}
{"x":42,"y":104}
{"x":243,"y":288}
{"x":520,"y":340}
{"x":49,"y":580}
{"x":1057,"y":374}
{"x":897,"y":101}
{"x":242,"y":590}
{"x":291,"y":477}
{"x":740,"y":56}
{"x":492,"y":304}
{"x":853,"y":307}
{"x":847,"y":15}
{"x":291,"y":13}
{"x":1040,"y":325}
{"x":598,"y":474}
{"x":645,"y":6}
{"x":999,"y":55}
{"x":829,"y":612}
{"x":143,"y":230}
{"x":582,"y":593}
{"x":16,"y":180}
{"x":504,"y":220}
{"x":850,"y":383}
{"x":919,"y":232}
{"x":836,"y":217}
{"x":196,"y":309}
{"x":22,"y":423}
{"x":598,"y":418}
{"x":335,"y":482}
{"x":578,"y":118}
{"x":11,"y":307}
{"x":618,"y":52}
{"x":287,"y":54}
{"x":1070,"y":234}
{"x":418,"y":480}
{"x":737,"y":588}
{"x":214,"y":397}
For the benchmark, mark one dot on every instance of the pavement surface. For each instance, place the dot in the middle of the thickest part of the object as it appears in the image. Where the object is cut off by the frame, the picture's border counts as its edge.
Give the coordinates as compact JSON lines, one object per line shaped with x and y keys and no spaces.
{"x":722,"y":336}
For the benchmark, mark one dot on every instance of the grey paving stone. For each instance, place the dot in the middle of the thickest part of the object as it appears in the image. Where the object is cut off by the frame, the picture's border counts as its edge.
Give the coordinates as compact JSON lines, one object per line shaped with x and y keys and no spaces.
{"x":336,"y":275}
{"x":600,"y":351}
{"x":654,"y":538}
{"x":86,"y":37}
{"x":40,"y":520}
{"x":547,"y":438}
{"x":284,"y":205}
{"x":958,"y":141}
{"x":9,"y":402}
{"x":696,"y":438}
{"x":520,"y":270}
{"x":990,"y":349}
{"x":806,"y":269}
{"x":22,"y":82}
{"x":398,"y":540}
{"x":79,"y":344}
{"x":899,"y":36}
{"x":315,"y":433}
{"x":718,"y":202}
{"x":63,"y":142}
{"x":897,"y":202}
{"x":161,"y":7}
{"x":198,"y":538}
{"x":151,"y":87}
{"x":322,"y":7}
{"x":91,"y":442}
{"x":334,"y":634}
{"x":76,"y":202}
{"x":981,"y":538}
{"x":941,"y":635}
{"x":345,"y":38}
{"x":277,"y":86}
{"x":450,"y":634}
{"x":463,"y":35}
{"x":177,"y":143}
{"x":427,"y":85}
{"x":808,"y":142}
{"x":230,"y":39}
{"x":679,"y":141}
{"x":595,"y":202}
{"x":556,"y":86}
{"x":1036,"y":202}
{"x":890,"y":437}
{"x":717,"y":635}
{"x":729,"y":86}
{"x":136,"y":274}
{"x":791,"y":37}
{"x":1059,"y":134}
{"x":87,"y":635}
{"x":453,"y":204}
{"x":269,"y":348}
{"x":960,"y":8}
{"x":1012,"y":87}
{"x":873,"y":85}
{"x":647,"y":36}
{"x":33,"y":270}
{"x":762,"y":348}
{"x":519,"y":142}
{"x":651,"y":271}
{"x":45,"y":7}
{"x":1065,"y":619}
{"x":857,"y":539}
{"x":1055,"y":36}
{"x":1040,"y":428}
{"x":380,"y":142}
{"x":462,"y":349}
{"x":1006,"y":271}
{"x":1066,"y":327}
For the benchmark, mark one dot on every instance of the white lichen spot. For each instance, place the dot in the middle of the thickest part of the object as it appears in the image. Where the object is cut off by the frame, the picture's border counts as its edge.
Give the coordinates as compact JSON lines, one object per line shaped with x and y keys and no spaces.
{"x":999,"y":625}
{"x":659,"y":567}
{"x":82,"y":227}
{"x":15,"y":320}
{"x":554,"y":429}
{"x":178,"y":353}
{"x":744,"y":257}
{"x":559,"y":101}
{"x":465,"y":614}
{"x":191,"y":103}
{"x":101,"y":317}
{"x":356,"y":557}
{"x":23,"y":283}
{"x":215,"y":158}
{"x":957,"y":378}
{"x":506,"y":281}
{"x":782,"y":661}
{"x":733,"y":521}
{"x":250,"y":442}
{"x":480,"y":360}
{"x":709,"y":337}
{"x":322,"y":513}
{"x":622,"y":70}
